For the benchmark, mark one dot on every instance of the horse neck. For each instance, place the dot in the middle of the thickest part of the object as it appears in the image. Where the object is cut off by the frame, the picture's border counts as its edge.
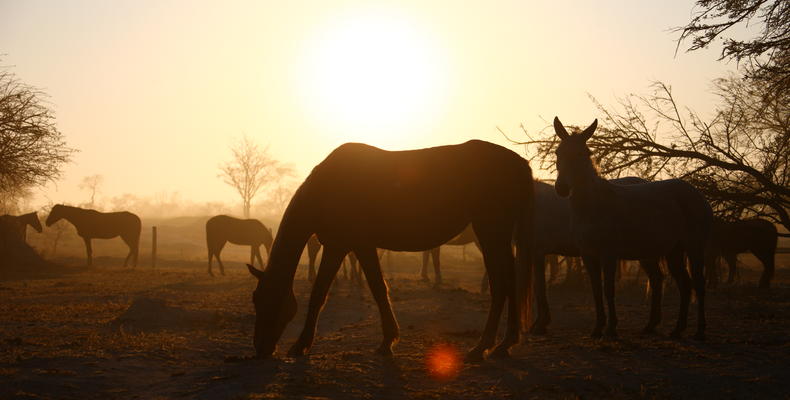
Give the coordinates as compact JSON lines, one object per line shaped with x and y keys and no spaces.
{"x":586,"y":185}
{"x":291,"y":239}
{"x":30,"y":219}
{"x":72,"y":214}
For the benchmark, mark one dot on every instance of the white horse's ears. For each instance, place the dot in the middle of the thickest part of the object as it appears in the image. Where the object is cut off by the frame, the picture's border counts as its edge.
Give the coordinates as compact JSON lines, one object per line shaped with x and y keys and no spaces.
{"x":559,"y":129}
{"x":587,"y":133}
{"x":255,"y":272}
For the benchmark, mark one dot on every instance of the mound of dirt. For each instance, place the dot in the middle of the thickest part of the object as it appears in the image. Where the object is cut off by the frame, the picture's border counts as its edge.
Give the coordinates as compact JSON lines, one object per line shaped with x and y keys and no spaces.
{"x":146,"y":314}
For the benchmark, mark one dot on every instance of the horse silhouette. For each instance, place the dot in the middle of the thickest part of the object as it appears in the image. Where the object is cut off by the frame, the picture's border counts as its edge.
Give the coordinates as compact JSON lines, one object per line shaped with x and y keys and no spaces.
{"x":361,"y":198}
{"x":19,"y":223}
{"x":314,"y":246}
{"x":652,"y":220}
{"x":221,"y":229}
{"x":728,"y":239}
{"x":92,"y":224}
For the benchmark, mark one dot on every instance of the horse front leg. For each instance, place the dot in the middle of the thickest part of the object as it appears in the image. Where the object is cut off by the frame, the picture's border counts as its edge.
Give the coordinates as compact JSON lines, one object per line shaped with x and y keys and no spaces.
{"x":369,"y":262}
{"x":330,"y":264}
{"x":593,"y":266}
{"x":656,"y":282}
{"x":437,"y":270}
{"x":677,"y":268}
{"x":88,"y":250}
{"x":610,"y":266}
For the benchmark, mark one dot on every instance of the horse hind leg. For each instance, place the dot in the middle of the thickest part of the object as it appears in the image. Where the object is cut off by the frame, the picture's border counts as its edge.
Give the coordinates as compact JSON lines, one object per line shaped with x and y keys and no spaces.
{"x":88,"y":250}
{"x":539,"y":285}
{"x":732,"y":263}
{"x":495,"y":259}
{"x":437,"y":270}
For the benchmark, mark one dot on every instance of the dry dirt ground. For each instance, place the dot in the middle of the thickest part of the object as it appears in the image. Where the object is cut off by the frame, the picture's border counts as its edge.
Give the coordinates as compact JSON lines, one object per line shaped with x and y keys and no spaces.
{"x":165,"y":333}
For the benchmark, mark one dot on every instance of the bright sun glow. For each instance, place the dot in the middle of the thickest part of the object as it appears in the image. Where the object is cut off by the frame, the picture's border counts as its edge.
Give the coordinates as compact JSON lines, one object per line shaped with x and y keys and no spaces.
{"x":375,"y":76}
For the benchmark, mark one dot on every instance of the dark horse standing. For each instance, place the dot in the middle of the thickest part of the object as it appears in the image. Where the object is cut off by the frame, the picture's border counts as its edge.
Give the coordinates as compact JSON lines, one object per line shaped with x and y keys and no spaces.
{"x":668,"y":219}
{"x":222,"y":229}
{"x":92,"y":224}
{"x":729,"y":238}
{"x":19,"y":223}
{"x":361,"y":198}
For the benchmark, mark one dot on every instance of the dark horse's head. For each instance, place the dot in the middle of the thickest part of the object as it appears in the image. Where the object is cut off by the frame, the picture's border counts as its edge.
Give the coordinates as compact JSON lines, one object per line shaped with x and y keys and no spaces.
{"x":35,"y":223}
{"x":275,"y":307}
{"x":55,"y":214}
{"x":573,"y":157}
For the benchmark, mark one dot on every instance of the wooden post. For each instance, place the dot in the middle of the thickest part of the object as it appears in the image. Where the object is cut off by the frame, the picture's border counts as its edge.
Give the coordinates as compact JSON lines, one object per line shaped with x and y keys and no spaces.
{"x":153,"y":247}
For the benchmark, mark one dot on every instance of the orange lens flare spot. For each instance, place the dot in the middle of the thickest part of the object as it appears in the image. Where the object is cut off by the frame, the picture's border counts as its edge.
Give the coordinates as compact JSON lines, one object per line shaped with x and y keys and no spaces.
{"x":443,"y":361}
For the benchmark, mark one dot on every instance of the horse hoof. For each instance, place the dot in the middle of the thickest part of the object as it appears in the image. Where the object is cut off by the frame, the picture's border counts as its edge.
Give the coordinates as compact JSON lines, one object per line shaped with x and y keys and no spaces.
{"x":297,"y":351}
{"x":649,"y":330}
{"x":596,"y":334}
{"x":676,"y":334}
{"x":500,"y":352}
{"x":699,"y":336}
{"x":537,"y":329}
{"x":384,"y":350}
{"x":610,"y":334}
{"x":474,"y":355}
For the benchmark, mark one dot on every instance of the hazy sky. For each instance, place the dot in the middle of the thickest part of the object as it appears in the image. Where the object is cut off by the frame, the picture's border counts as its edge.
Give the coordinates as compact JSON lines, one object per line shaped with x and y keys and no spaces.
{"x":152,"y":93}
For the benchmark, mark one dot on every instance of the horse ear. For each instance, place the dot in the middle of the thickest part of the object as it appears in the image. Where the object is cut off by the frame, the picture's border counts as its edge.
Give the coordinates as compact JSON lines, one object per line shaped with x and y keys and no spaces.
{"x":561,"y":132}
{"x":255,"y":272}
{"x":587,"y":133}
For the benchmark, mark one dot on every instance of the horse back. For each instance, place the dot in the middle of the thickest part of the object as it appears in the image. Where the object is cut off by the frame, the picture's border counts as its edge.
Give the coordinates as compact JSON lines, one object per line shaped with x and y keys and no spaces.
{"x":412,"y":200}
{"x":223,"y":228}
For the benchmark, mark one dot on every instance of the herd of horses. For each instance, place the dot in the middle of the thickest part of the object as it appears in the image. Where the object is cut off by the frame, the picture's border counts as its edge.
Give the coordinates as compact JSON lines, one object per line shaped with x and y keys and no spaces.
{"x":362,"y":199}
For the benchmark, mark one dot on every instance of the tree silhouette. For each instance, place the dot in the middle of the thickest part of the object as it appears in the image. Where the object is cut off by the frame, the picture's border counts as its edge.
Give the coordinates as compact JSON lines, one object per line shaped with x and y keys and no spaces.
{"x":251,"y":170}
{"x":766,"y":55}
{"x":739,"y":158}
{"x":32,"y":150}
{"x":91,"y":184}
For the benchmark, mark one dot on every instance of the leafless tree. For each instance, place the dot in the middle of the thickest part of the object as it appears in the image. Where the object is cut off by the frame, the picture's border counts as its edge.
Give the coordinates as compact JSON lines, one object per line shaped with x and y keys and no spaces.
{"x":766,"y":56}
{"x":252,"y":170}
{"x":739,"y":158}
{"x":32,"y":150}
{"x":91,"y":184}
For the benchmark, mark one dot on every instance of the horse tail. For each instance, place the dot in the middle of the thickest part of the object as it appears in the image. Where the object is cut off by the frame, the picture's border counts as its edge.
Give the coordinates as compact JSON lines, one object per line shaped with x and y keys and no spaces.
{"x":524,"y":233}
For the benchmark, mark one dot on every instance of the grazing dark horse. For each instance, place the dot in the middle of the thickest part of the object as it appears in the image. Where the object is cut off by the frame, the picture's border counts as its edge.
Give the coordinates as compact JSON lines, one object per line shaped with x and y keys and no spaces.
{"x":361,"y":198}
{"x":652,"y":220}
{"x":92,"y":224}
{"x":314,"y":246}
{"x":465,"y":237}
{"x":19,"y":223}
{"x":728,"y":239}
{"x":221,"y":229}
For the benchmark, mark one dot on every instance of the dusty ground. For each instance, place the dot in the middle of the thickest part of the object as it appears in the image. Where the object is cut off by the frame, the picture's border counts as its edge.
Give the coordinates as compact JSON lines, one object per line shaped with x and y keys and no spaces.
{"x":109,"y":332}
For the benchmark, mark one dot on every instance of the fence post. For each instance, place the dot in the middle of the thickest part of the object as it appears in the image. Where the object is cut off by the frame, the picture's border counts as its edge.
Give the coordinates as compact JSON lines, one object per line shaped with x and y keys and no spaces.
{"x":153,"y":247}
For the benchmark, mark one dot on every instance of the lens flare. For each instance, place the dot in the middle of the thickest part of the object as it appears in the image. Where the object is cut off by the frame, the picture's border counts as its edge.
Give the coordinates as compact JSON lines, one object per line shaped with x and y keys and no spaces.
{"x":443,"y":361}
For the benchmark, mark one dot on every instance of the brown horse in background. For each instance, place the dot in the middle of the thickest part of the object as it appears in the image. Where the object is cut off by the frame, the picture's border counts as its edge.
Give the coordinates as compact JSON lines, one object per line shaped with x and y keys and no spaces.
{"x":92,"y":224}
{"x":19,"y":223}
{"x":728,"y":239}
{"x":221,"y":229}
{"x":652,"y":220}
{"x":361,"y":198}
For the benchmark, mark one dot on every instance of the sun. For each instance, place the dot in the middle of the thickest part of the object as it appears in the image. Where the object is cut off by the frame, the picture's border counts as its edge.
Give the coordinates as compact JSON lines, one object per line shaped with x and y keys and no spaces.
{"x":375,"y":76}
